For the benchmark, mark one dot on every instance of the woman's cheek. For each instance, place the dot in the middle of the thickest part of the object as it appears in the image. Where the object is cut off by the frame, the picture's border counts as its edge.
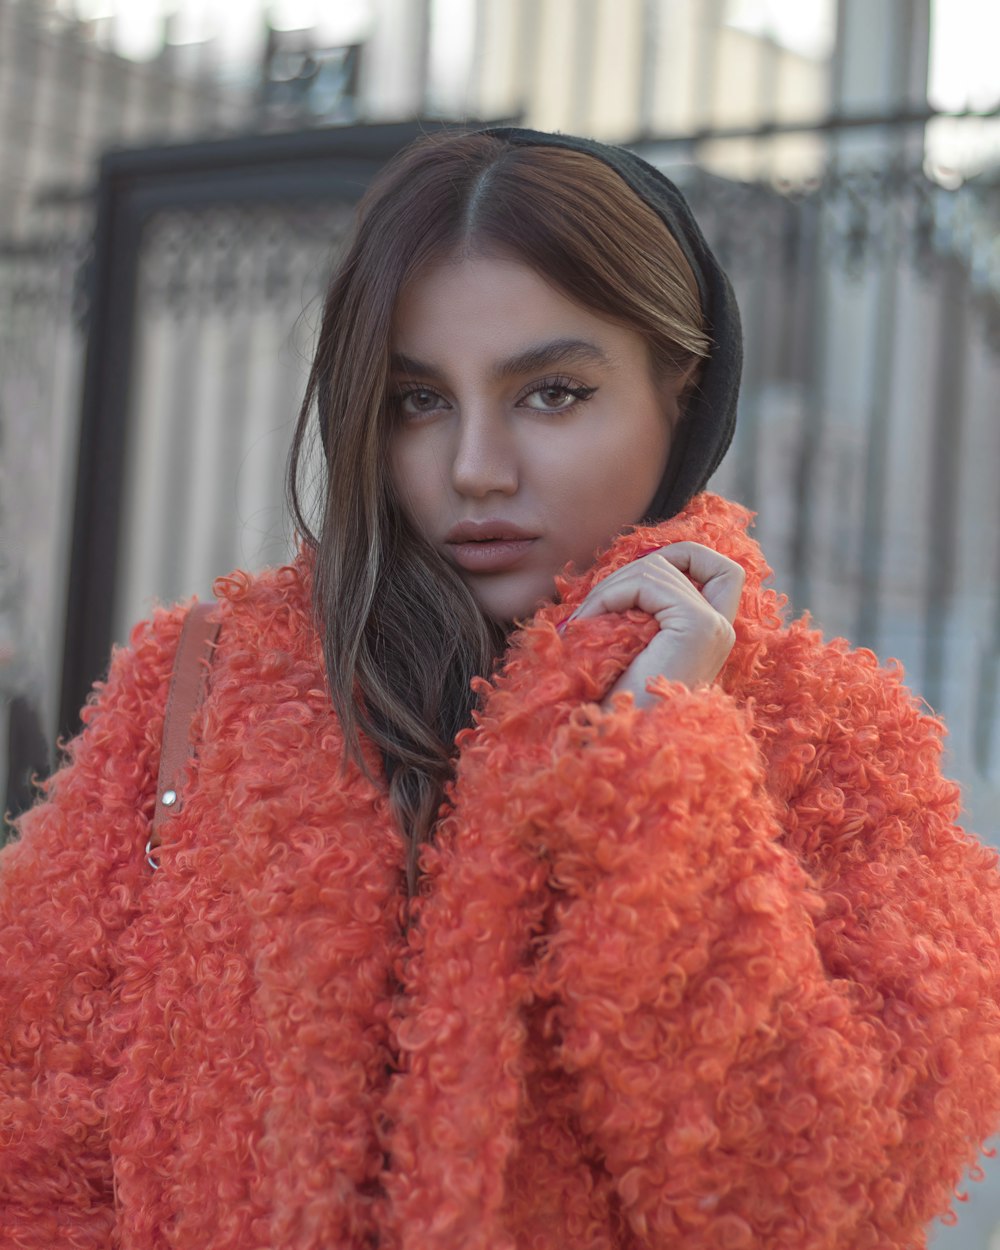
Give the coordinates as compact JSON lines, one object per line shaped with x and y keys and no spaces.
{"x":416,"y":476}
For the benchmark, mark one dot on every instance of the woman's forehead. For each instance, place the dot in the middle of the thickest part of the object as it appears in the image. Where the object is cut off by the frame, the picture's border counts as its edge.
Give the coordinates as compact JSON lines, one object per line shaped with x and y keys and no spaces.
{"x":502,"y":311}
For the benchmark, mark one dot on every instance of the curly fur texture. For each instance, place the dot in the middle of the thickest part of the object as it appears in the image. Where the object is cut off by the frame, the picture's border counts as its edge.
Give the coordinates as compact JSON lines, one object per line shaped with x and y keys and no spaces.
{"x":723,"y":972}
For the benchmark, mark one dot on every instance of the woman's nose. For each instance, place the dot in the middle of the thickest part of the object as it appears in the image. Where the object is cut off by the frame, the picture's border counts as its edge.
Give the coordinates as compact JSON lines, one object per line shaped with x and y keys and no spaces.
{"x":485,"y":458}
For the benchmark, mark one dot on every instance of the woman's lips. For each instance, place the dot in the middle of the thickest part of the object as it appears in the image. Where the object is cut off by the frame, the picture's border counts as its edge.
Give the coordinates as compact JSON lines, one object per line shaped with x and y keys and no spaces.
{"x":492,"y":556}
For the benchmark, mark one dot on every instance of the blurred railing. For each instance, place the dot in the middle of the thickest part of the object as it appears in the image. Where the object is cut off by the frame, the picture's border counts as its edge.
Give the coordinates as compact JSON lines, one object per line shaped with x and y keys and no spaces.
{"x":868,"y":437}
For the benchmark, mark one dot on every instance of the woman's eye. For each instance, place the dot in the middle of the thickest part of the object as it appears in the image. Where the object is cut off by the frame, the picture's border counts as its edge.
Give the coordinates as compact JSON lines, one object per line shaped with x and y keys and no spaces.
{"x":552,"y":396}
{"x":556,"y":396}
{"x":418,"y":401}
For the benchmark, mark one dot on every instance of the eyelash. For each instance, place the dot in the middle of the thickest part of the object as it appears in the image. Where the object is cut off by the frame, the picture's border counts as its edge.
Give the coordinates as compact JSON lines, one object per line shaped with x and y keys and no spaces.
{"x":580,"y":393}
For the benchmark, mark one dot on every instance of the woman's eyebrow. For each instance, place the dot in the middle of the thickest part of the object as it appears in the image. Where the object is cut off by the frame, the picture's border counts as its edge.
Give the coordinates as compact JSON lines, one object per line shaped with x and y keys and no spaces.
{"x":543,"y":356}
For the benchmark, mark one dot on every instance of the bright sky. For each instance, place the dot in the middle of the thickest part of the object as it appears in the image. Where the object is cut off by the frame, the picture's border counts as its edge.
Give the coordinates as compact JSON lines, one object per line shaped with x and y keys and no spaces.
{"x":965,"y":54}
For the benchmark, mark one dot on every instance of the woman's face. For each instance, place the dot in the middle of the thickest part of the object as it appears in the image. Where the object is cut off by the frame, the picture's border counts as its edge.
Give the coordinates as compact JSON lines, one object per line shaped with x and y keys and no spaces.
{"x":528,"y":430}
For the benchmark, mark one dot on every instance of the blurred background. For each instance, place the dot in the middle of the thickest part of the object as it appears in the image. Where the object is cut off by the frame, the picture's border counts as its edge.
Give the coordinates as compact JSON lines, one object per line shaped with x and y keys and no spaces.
{"x":176,"y":177}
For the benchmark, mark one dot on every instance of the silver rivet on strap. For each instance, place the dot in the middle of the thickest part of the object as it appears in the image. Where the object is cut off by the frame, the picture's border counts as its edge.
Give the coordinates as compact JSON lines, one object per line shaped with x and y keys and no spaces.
{"x":168,"y":798}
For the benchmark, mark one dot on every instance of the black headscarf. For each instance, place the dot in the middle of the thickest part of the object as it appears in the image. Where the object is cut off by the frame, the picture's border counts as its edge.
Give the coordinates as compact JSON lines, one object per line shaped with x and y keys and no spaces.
{"x":706,"y":426}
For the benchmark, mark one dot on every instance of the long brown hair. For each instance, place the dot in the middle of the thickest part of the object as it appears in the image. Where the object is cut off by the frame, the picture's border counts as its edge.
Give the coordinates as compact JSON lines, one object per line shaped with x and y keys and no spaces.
{"x":403,"y":636}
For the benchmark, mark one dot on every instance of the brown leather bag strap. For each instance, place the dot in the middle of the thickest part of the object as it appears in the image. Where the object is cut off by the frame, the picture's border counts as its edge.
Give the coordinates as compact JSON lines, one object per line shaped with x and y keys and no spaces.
{"x":187,"y":689}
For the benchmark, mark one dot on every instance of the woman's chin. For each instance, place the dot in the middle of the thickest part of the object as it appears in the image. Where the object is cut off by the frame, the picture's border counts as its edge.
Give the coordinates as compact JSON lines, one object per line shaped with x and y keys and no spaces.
{"x":507,"y":600}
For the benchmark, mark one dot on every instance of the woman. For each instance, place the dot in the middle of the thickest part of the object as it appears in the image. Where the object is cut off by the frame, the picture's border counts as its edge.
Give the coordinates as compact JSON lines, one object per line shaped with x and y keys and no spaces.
{"x":536,"y":883}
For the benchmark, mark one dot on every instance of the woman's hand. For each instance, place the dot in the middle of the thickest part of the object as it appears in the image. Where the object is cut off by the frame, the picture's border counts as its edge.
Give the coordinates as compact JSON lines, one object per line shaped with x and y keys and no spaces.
{"x":696,"y":627}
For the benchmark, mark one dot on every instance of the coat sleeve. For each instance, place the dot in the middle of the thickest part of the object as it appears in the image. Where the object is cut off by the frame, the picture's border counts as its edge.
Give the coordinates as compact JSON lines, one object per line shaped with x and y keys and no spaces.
{"x":911,"y":915}
{"x":70,"y":882}
{"x":769,"y":966}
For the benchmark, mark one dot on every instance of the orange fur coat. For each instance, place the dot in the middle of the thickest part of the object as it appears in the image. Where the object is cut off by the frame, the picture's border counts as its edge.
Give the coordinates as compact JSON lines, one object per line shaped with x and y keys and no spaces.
{"x":720,"y":973}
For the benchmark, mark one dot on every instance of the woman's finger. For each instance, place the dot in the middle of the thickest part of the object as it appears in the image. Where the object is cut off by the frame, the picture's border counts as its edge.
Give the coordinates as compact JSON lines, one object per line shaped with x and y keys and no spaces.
{"x":721,"y":579}
{"x":649,"y":585}
{"x":660,"y":578}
